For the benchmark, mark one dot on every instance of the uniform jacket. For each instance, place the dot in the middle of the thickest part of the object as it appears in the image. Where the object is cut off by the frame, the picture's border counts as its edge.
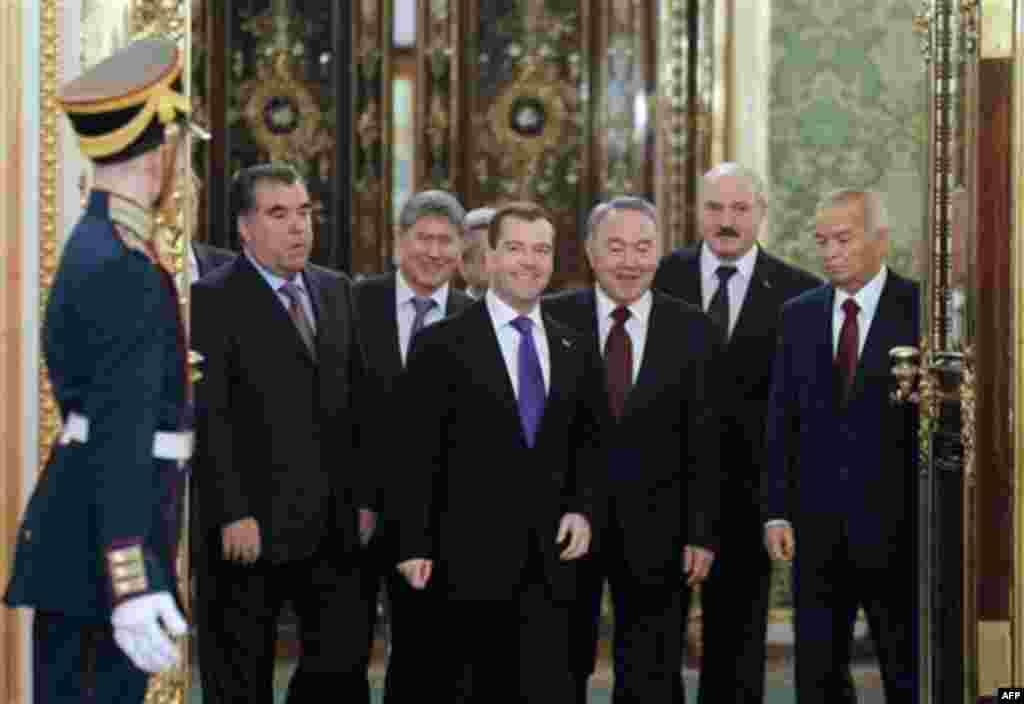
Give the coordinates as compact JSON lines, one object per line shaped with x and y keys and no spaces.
{"x":113,"y":344}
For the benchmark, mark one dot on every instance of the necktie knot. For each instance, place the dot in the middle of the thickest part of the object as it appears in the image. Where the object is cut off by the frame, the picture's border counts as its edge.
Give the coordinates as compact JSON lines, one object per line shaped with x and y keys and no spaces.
{"x":298,"y":315}
{"x":620,"y":315}
{"x":523,"y":324}
{"x":850,"y":307}
{"x":423,"y":304}
{"x":725,"y":272}
{"x":291,"y":291}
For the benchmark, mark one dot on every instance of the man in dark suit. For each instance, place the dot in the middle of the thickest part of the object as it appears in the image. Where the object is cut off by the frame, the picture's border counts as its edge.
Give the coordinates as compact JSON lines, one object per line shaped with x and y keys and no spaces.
{"x":276,"y":474}
{"x":734,"y":598}
{"x":499,"y":496}
{"x":96,"y":548}
{"x":390,"y":309}
{"x":661,"y":441}
{"x":841,"y":457}
{"x":205,"y":258}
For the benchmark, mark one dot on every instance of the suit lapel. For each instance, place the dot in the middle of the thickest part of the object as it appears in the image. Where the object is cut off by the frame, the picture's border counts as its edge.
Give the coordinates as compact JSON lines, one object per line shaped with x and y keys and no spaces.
{"x":489,"y":362}
{"x":321,"y":310}
{"x":278,"y":316}
{"x":759,"y":303}
{"x":656,"y":348}
{"x":882,"y":335}
{"x":825,"y":356}
{"x":692,"y":293}
{"x":560,"y":355}
{"x":382,"y":327}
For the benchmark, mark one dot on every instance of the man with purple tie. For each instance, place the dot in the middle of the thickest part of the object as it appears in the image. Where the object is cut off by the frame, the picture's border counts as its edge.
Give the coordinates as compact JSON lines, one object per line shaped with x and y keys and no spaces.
{"x":499,"y":539}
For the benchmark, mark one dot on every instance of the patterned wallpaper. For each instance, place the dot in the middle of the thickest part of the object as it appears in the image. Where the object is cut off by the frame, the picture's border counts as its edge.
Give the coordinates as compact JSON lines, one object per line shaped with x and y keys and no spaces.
{"x":847,"y":108}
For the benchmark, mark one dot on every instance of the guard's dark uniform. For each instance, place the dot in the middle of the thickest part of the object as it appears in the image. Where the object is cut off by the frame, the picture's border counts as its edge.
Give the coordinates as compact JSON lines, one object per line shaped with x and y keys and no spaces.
{"x":101,"y":526}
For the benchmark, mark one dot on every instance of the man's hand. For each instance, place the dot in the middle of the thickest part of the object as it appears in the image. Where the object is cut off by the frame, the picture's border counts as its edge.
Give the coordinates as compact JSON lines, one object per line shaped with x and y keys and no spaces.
{"x":779,"y":541}
{"x":141,"y":628}
{"x":242,"y":541}
{"x":416,"y":571}
{"x":696,"y":564}
{"x":367,"y":525}
{"x":576,"y":528}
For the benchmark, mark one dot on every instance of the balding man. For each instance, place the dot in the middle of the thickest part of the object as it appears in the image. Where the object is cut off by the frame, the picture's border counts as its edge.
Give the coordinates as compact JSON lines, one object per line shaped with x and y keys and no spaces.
{"x":841,"y":457}
{"x":473,"y":263}
{"x":741,"y":287}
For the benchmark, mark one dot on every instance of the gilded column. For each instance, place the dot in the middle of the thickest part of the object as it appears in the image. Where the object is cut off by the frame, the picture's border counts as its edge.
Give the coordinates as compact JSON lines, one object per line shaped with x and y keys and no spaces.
{"x":371,"y":135}
{"x":438,"y":101}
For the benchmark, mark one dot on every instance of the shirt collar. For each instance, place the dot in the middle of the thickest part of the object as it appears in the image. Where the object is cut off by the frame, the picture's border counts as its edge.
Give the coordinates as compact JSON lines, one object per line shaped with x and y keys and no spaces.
{"x":867,"y":297}
{"x":503,"y":314}
{"x":404,"y":292}
{"x":709,"y":262}
{"x":640,"y":309}
{"x":273,"y":280}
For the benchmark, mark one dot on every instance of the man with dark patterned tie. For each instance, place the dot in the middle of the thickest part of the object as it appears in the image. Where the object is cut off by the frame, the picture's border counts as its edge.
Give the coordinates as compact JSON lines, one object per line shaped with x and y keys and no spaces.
{"x":390,"y":311}
{"x":841,"y":456}
{"x":661,"y":444}
{"x":497,"y":428}
{"x":276,"y":472}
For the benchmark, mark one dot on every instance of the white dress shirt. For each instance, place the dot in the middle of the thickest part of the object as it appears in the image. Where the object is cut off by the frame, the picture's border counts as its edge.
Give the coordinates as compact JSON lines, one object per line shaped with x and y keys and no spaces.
{"x":867,"y":299}
{"x":276,"y":282}
{"x":738,"y":282}
{"x":636,"y":323}
{"x":509,"y":338}
{"x":193,"y":264}
{"x":406,"y":311}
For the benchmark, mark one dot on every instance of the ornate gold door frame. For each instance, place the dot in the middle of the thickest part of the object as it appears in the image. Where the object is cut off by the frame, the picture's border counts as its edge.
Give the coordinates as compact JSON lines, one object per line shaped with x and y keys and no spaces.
{"x":971,"y":608}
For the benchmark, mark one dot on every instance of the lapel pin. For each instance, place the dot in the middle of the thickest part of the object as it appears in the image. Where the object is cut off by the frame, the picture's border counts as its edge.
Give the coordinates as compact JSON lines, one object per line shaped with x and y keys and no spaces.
{"x":567,"y":343}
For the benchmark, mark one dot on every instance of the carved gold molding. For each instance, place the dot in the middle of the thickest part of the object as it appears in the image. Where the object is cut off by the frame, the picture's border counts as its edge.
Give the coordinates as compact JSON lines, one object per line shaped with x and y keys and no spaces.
{"x":51,"y":15}
{"x":370,"y":135}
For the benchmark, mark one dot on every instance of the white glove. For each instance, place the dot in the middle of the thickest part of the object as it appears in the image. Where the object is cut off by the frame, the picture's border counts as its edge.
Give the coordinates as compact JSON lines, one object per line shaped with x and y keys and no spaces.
{"x":141,"y":628}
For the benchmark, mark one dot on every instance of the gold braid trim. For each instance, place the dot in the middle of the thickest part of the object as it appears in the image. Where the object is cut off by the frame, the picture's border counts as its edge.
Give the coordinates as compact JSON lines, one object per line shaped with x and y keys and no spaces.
{"x":159,"y":99}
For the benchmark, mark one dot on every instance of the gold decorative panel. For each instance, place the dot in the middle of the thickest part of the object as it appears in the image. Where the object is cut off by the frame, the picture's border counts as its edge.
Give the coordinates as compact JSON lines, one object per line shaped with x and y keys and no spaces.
{"x":370,"y":135}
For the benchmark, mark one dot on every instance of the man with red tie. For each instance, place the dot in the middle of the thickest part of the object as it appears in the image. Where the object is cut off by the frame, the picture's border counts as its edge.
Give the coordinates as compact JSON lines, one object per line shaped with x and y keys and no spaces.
{"x":661,"y":443}
{"x":841,"y":457}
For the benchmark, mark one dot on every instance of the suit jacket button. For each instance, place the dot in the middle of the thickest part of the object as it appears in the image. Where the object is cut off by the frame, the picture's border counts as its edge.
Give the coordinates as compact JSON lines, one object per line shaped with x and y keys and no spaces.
{"x":27,"y":534}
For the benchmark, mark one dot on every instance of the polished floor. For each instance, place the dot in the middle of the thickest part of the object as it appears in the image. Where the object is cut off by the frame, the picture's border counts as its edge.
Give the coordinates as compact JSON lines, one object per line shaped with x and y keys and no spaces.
{"x":779,"y":684}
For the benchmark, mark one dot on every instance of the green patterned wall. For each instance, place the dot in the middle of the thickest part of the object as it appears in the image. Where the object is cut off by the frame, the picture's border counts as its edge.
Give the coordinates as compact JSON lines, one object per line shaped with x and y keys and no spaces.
{"x":847,"y":108}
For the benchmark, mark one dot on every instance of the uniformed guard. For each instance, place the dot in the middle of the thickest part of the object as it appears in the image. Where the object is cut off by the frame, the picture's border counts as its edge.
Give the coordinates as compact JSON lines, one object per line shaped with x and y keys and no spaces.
{"x":95,"y":552}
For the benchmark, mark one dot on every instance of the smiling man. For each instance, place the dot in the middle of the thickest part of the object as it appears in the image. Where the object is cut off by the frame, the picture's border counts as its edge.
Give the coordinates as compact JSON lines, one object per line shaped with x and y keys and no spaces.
{"x":276,"y":470}
{"x":498,"y":498}
{"x":660,"y":433}
{"x":391,"y":309}
{"x":742,"y":287}
{"x":841,"y":456}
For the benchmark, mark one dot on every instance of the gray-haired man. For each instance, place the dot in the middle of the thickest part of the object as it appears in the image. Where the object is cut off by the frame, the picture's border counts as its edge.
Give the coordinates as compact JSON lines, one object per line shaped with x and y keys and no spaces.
{"x":390,"y":310}
{"x":473,"y":264}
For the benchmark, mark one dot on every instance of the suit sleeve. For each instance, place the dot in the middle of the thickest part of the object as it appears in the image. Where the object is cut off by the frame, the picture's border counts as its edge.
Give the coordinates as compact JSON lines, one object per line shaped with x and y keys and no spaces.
{"x":780,"y":435}
{"x":368,"y":485}
{"x":704,"y":440}
{"x":118,"y":307}
{"x":423,"y":395}
{"x":222,"y":480}
{"x":586,"y":488}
